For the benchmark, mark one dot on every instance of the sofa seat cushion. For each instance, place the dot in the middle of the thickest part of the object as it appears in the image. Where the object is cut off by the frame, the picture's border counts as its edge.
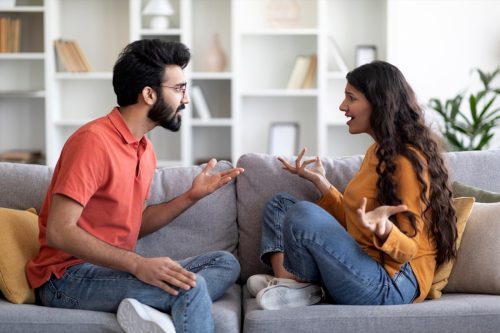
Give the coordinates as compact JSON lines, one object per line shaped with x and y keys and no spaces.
{"x":452,"y":313}
{"x":209,"y":225}
{"x":17,"y":318}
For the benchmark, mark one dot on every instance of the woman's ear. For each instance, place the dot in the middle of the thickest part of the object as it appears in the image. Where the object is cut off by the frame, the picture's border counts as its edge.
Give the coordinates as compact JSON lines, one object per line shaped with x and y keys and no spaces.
{"x":148,"y":95}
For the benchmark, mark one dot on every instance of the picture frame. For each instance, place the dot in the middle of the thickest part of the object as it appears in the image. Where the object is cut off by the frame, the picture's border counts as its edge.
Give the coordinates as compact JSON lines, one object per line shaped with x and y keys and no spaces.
{"x":284,"y":138}
{"x":365,"y":54}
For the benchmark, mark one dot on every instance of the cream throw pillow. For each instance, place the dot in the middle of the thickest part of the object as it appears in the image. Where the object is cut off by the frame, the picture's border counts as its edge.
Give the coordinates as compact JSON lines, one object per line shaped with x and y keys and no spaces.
{"x":18,"y":244}
{"x":463,"y":207}
{"x":477,"y":267}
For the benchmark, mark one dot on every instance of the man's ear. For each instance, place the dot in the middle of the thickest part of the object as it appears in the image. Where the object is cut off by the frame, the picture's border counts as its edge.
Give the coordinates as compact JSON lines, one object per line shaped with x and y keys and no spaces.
{"x":148,"y":95}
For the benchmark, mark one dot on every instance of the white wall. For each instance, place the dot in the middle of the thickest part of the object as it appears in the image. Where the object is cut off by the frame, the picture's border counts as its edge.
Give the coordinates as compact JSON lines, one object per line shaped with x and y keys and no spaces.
{"x":436,"y":43}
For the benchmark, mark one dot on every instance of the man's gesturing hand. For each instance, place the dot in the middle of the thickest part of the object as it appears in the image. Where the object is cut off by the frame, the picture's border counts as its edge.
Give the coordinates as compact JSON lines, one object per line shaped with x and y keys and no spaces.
{"x":207,"y":181}
{"x":165,"y":273}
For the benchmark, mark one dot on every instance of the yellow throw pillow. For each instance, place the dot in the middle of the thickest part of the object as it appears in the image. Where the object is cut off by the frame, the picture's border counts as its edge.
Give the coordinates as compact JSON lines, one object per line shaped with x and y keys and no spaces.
{"x":463,"y":207}
{"x":18,"y":244}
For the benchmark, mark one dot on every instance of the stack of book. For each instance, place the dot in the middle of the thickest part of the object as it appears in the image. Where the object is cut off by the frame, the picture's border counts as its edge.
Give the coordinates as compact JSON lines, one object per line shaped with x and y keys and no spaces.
{"x":10,"y":35}
{"x":70,"y":57}
{"x":303,"y":74}
{"x":22,"y":156}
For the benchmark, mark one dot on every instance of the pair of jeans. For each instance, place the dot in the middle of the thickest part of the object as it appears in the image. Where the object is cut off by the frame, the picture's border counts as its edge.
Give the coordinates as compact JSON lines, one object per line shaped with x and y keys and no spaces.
{"x":90,"y":287}
{"x":318,"y":249}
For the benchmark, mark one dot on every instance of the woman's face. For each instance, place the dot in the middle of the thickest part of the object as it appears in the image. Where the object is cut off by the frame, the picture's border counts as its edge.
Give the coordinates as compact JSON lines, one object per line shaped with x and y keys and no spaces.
{"x":358,"y":109}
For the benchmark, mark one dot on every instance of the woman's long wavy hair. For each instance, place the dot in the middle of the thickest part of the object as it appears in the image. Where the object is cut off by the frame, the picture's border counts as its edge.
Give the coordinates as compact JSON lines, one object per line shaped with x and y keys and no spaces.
{"x":397,"y":123}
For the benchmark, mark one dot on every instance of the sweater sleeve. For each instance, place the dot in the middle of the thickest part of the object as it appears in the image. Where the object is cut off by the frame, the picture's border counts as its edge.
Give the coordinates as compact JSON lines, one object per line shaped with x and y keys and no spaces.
{"x":332,"y":202}
{"x":402,"y":244}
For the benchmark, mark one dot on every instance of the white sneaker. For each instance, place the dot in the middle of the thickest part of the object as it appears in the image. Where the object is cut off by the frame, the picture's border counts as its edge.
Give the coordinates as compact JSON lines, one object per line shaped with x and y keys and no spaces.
{"x":257,"y":282}
{"x":135,"y":317}
{"x":287,"y":293}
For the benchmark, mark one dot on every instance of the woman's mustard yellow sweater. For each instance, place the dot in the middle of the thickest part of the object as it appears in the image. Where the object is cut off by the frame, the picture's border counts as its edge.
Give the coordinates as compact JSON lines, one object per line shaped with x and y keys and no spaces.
{"x":398,"y":248}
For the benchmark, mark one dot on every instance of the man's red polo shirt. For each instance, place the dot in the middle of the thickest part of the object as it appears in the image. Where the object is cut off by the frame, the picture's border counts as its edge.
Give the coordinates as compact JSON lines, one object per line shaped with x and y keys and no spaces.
{"x":106,"y":170}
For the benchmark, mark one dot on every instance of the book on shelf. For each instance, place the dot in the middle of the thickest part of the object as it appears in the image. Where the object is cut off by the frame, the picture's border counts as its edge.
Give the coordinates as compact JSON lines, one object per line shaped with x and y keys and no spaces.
{"x":299,"y":72}
{"x":10,"y":35}
{"x":200,"y":104}
{"x":310,"y":77}
{"x":22,"y":156}
{"x":70,"y":57}
{"x":340,"y":63}
{"x":303,"y":75}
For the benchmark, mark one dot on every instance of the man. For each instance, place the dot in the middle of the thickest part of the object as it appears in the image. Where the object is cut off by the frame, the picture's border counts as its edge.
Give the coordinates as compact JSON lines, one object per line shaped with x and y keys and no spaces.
{"x":94,"y":210}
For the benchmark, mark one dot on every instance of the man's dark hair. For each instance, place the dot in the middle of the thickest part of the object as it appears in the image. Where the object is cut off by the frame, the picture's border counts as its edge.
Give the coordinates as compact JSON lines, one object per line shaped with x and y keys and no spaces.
{"x":142,"y":63}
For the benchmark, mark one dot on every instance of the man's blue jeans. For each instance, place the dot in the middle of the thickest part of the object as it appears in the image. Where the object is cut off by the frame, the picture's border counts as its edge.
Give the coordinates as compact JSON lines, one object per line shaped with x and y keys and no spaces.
{"x":318,"y":249}
{"x":90,"y":287}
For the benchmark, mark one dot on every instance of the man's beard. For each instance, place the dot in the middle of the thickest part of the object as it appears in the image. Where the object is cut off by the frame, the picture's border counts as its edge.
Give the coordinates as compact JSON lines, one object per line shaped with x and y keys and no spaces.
{"x":165,"y":116}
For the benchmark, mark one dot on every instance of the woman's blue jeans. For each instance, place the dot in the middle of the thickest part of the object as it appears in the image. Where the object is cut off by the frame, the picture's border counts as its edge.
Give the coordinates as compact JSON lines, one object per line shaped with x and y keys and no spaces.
{"x":90,"y":287}
{"x":318,"y":249}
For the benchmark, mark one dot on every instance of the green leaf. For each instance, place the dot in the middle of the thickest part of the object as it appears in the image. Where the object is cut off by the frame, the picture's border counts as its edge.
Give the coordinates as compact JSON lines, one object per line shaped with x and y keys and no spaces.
{"x":484,"y":141}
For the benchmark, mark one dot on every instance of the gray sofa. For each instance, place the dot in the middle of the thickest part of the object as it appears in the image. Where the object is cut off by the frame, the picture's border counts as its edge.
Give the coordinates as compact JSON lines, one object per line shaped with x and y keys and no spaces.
{"x":230,"y":220}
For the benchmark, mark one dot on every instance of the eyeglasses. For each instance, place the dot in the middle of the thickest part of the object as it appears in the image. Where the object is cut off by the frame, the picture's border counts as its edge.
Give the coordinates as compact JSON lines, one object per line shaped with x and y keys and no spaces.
{"x":181,"y":88}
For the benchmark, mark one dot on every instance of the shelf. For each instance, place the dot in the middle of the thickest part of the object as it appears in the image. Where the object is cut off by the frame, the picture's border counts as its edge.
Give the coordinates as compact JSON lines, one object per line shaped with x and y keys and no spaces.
{"x":71,"y":122}
{"x":84,"y":76}
{"x":23,"y":56}
{"x":281,"y":93}
{"x":214,"y":122}
{"x":285,"y":32}
{"x":23,"y":9}
{"x":211,"y":75}
{"x":22,"y":94}
{"x":168,"y":163}
{"x":155,"y":32}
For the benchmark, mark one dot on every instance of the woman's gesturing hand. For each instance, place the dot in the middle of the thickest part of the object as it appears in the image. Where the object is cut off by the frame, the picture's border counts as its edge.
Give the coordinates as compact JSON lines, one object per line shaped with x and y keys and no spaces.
{"x":377,"y":220}
{"x":311,"y":170}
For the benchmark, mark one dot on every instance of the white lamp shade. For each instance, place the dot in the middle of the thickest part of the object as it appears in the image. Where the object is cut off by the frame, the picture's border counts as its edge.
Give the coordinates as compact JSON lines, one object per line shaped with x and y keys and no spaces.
{"x":158,"y":7}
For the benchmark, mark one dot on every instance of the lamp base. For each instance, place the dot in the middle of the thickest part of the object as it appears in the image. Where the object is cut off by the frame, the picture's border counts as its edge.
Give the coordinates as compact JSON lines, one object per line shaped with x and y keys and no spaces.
{"x":159,"y":23}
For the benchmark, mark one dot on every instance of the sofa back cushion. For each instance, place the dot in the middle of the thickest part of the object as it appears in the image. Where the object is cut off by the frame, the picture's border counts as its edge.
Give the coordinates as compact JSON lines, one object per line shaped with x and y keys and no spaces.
{"x":23,"y":186}
{"x":264,"y":177}
{"x":208,"y":225}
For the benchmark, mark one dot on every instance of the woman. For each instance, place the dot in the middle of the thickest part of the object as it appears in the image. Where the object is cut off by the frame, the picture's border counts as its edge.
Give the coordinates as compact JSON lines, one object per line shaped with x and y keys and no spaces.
{"x":380,"y":241}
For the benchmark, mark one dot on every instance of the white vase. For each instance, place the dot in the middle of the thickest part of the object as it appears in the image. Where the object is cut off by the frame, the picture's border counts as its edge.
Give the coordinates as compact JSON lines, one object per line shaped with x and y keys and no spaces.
{"x":214,"y":57}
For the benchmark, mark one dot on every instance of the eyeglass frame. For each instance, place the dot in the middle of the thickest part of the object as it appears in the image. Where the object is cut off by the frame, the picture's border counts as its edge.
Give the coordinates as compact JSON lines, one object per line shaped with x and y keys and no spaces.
{"x":181,"y":88}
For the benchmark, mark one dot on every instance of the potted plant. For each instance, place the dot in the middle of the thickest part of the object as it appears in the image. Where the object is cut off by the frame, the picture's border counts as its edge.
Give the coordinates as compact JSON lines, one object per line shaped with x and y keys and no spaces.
{"x":469,"y":126}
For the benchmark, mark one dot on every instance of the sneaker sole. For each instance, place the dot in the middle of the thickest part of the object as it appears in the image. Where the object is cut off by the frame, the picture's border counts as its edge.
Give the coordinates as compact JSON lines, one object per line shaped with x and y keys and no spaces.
{"x":283,"y":297}
{"x":132,"y":318}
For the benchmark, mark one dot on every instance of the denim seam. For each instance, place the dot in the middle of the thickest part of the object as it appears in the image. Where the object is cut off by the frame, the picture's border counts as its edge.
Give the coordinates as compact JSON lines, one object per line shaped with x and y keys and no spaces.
{"x":57,"y":294}
{"x":186,"y":310}
{"x":210,"y":261}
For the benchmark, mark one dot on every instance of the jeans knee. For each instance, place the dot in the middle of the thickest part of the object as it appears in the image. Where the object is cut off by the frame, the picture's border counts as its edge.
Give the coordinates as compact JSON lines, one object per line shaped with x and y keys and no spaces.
{"x":279,"y":200}
{"x":201,"y":289}
{"x":231,"y":265}
{"x":300,"y":216}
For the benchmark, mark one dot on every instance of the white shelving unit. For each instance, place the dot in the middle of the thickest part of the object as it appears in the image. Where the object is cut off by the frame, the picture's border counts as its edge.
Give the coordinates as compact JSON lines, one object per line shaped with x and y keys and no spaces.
{"x":22,"y":86}
{"x":42,"y":107}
